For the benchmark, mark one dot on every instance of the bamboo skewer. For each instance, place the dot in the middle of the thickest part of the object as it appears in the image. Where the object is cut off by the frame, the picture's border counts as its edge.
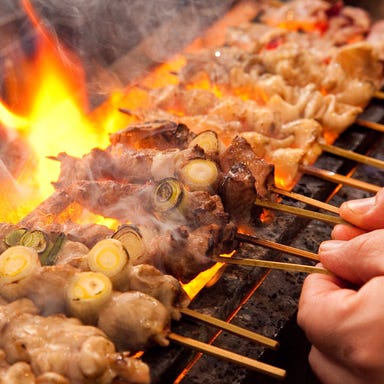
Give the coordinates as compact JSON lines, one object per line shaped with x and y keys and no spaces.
{"x":370,"y":124}
{"x":353,"y":156}
{"x":277,"y":246}
{"x":379,"y":95}
{"x":273,"y":265}
{"x":300,"y":212}
{"x":244,"y":361}
{"x":339,"y":179}
{"x":306,"y":200}
{"x":253,"y":336}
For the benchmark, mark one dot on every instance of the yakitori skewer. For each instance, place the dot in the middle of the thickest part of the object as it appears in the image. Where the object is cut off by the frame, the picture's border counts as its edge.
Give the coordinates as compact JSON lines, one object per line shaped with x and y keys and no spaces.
{"x":339,"y":179}
{"x":300,"y":212}
{"x":353,"y":156}
{"x":305,"y":199}
{"x":247,"y":362}
{"x":273,"y":265}
{"x":242,"y":237}
{"x":231,"y":328}
{"x":379,"y":95}
{"x":370,"y":124}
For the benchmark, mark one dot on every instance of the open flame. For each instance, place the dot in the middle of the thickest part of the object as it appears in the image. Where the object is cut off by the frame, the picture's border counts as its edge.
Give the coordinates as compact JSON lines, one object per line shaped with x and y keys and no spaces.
{"x":49,"y":113}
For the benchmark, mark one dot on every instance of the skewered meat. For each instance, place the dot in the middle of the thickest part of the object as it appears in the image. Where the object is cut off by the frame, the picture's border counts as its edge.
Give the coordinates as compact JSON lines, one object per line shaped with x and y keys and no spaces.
{"x":375,"y":38}
{"x":164,"y":288}
{"x":241,"y":152}
{"x":123,"y":164}
{"x":239,"y":194}
{"x":20,"y":372}
{"x":161,"y":134}
{"x":184,"y":254}
{"x":45,"y":287}
{"x":72,"y":253}
{"x":110,"y":198}
{"x":133,"y":319}
{"x":337,"y":23}
{"x":43,"y":342}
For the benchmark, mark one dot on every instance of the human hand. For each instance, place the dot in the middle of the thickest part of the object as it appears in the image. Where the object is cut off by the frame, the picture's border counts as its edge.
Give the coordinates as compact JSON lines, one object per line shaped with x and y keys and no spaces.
{"x":365,"y":214}
{"x":345,"y":329}
{"x":342,"y":314}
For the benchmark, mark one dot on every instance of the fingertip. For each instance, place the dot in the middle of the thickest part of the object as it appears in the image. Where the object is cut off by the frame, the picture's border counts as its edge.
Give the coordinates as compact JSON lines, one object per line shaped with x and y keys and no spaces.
{"x":330,"y":245}
{"x":367,"y":213}
{"x":345,"y":232}
{"x":357,"y":207}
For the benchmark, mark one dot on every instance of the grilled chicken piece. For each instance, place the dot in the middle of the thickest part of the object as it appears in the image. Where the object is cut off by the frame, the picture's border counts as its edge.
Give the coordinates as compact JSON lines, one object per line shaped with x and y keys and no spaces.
{"x":238,"y":193}
{"x":45,"y":287}
{"x":216,"y":65}
{"x":79,"y":353}
{"x":160,"y":134}
{"x":123,"y":201}
{"x":19,"y":372}
{"x":375,"y":38}
{"x":329,"y":21}
{"x":86,"y":234}
{"x":184,"y":253}
{"x":176,"y":99}
{"x":123,"y":164}
{"x":73,"y":253}
{"x":133,"y":320}
{"x":164,"y":288}
{"x":104,"y":165}
{"x":241,"y":152}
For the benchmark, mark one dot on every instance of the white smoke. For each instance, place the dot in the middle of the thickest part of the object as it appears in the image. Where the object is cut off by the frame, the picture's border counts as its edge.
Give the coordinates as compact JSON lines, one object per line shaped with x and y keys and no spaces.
{"x":126,"y":37}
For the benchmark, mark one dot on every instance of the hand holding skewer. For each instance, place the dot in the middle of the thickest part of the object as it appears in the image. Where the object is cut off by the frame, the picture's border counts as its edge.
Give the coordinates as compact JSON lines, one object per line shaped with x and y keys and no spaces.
{"x":342,"y":314}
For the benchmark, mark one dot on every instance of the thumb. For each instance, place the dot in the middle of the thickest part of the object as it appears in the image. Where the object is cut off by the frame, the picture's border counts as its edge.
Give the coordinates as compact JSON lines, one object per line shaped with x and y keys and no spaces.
{"x":365,"y":213}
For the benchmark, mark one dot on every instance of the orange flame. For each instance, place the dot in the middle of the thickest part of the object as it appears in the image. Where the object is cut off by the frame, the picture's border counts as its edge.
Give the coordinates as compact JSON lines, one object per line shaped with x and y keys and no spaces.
{"x":51,"y":116}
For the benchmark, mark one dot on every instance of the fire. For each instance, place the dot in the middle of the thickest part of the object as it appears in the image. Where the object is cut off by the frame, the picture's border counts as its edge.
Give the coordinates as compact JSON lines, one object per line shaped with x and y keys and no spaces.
{"x":49,"y":112}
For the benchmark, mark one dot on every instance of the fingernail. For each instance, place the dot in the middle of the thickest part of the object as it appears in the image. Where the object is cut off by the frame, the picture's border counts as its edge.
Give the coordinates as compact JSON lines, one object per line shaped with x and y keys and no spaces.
{"x":360,"y":206}
{"x":330,"y":245}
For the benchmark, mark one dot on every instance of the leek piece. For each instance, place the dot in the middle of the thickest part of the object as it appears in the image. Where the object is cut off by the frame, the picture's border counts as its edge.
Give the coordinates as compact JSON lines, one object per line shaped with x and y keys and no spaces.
{"x":208,"y":141}
{"x":132,"y":240}
{"x":13,"y":238}
{"x":17,"y":263}
{"x":86,"y":293}
{"x":35,"y":239}
{"x":200,"y":175}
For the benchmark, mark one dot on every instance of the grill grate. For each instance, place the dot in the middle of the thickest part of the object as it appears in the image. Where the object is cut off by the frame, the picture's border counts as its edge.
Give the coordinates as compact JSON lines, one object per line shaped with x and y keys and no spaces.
{"x":266,"y":302}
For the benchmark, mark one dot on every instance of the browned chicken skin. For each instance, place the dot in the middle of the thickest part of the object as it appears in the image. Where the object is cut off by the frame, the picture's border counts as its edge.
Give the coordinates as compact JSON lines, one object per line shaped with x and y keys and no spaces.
{"x":79,"y":353}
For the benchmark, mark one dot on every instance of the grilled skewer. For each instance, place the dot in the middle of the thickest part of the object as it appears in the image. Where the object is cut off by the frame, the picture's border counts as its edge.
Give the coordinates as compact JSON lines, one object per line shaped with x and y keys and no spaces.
{"x":230,"y":356}
{"x":379,"y":95}
{"x":339,"y":179}
{"x":305,"y":199}
{"x":331,"y":219}
{"x":270,"y":343}
{"x":273,"y":265}
{"x":242,"y":237}
{"x":370,"y":124}
{"x":89,"y":298}
{"x":353,"y":156}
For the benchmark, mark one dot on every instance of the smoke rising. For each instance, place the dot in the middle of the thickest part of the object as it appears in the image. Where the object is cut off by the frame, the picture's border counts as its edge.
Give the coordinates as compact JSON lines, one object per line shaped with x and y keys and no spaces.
{"x":125,"y":37}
